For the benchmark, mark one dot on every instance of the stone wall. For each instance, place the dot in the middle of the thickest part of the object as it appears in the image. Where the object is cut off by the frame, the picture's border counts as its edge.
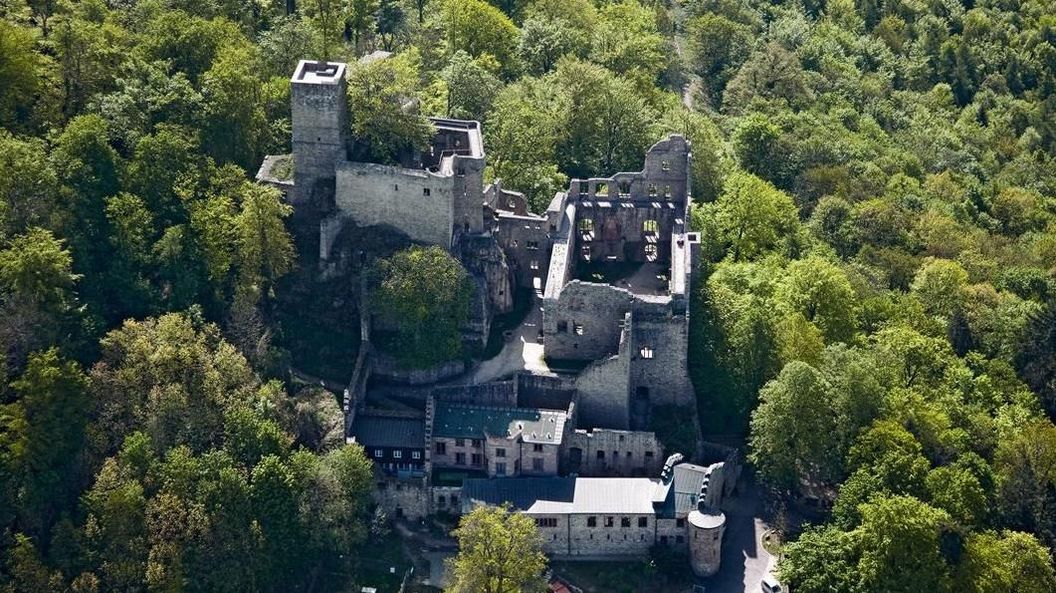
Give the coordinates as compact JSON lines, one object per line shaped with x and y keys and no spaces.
{"x":622,"y":539}
{"x":583,"y":321}
{"x":496,"y":393}
{"x":372,"y":194}
{"x":659,"y":343}
{"x":625,"y":453}
{"x":527,"y":246}
{"x":603,"y":386}
{"x":386,"y":368}
{"x":407,"y":498}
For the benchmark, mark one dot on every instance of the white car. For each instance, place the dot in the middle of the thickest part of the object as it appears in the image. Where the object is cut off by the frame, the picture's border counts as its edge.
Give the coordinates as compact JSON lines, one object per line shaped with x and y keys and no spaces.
{"x":771,"y":584}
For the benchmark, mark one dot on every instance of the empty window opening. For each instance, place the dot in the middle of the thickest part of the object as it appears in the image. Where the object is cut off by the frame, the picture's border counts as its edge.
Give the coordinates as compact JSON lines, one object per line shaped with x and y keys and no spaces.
{"x":667,"y":191}
{"x":425,"y":191}
{"x":546,"y":522}
{"x":625,"y":188}
{"x":460,"y":171}
{"x":534,"y":265}
{"x":609,"y":522}
{"x":586,"y":225}
{"x":601,"y":454}
{"x":592,"y":521}
{"x":562,"y":327}
{"x":601,"y":189}
{"x":652,"y":189}
{"x":585,"y":251}
{"x":643,"y":522}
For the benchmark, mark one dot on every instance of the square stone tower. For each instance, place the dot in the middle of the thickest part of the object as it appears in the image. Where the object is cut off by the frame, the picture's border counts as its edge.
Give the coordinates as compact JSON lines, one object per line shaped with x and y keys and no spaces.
{"x":320,"y":131}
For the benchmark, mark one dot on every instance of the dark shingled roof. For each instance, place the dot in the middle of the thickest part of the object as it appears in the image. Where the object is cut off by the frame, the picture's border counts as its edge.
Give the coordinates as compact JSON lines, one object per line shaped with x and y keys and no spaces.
{"x":385,"y":431}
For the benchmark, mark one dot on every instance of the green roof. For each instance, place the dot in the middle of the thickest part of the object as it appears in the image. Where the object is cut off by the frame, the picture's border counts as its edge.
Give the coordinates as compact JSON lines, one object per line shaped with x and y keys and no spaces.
{"x":455,"y":420}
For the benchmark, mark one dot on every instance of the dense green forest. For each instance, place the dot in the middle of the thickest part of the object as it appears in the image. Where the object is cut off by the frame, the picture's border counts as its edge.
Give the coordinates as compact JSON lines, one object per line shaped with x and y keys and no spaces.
{"x":874,"y":183}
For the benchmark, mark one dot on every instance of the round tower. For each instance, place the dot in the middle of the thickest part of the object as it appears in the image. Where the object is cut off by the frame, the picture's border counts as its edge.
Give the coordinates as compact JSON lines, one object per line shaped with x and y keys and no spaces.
{"x":705,"y":525}
{"x":705,"y":540}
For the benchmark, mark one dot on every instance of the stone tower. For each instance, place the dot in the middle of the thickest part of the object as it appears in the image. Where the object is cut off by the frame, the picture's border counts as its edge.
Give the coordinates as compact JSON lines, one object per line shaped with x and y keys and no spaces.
{"x":319,"y":109}
{"x":706,"y":525}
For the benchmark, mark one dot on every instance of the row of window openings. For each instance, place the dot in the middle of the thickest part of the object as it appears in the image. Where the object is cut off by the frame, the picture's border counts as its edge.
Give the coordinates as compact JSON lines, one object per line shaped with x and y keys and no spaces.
{"x":616,"y":455}
{"x":643,"y":522}
{"x":624,"y":187}
{"x":397,"y":454}
{"x":586,"y":225}
{"x":577,"y":329}
{"x":529,"y":245}
{"x":441,"y":447}
{"x":651,"y":252}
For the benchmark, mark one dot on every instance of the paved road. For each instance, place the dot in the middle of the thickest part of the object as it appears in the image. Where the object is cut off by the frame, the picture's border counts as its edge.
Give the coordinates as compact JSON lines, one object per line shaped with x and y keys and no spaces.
{"x":744,"y":560}
{"x":520,"y":352}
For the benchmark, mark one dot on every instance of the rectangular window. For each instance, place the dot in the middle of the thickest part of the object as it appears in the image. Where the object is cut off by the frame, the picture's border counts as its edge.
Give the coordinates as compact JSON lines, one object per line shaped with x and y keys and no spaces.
{"x":679,"y":539}
{"x":533,"y":245}
{"x":537,"y":464}
{"x":680,"y":523}
{"x":562,"y":327}
{"x":538,"y":448}
{"x":609,"y":522}
{"x":625,"y":522}
{"x":592,"y":521}
{"x":500,"y":469}
{"x":379,"y":453}
{"x":416,"y":454}
{"x":646,"y":352}
{"x":425,"y":191}
{"x":648,"y":454}
{"x":460,"y":458}
{"x":476,"y":459}
{"x":460,"y":442}
{"x":476,"y":443}
{"x":643,"y":521}
{"x":546,"y":522}
{"x":577,"y":328}
{"x":534,"y":265}
{"x":397,"y":454}
{"x":650,"y":226}
{"x":441,"y":448}
{"x":601,"y":454}
{"x":586,"y":225}
{"x":500,"y":452}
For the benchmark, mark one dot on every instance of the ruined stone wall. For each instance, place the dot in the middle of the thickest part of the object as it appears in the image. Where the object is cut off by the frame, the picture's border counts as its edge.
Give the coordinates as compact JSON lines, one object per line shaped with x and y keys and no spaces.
{"x":659,"y":343}
{"x":372,"y":194}
{"x":672,"y":533}
{"x":495,"y":393}
{"x":526,"y":243}
{"x":583,"y":322}
{"x":623,"y":453}
{"x":603,"y":386}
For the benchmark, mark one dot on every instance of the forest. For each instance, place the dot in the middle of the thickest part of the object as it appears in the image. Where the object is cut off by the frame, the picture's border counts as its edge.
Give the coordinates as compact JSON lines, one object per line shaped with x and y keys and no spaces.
{"x":874,"y":182}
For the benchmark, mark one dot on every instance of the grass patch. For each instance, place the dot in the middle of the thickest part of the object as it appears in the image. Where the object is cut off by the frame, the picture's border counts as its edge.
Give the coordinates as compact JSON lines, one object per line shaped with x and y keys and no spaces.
{"x":643,"y":576}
